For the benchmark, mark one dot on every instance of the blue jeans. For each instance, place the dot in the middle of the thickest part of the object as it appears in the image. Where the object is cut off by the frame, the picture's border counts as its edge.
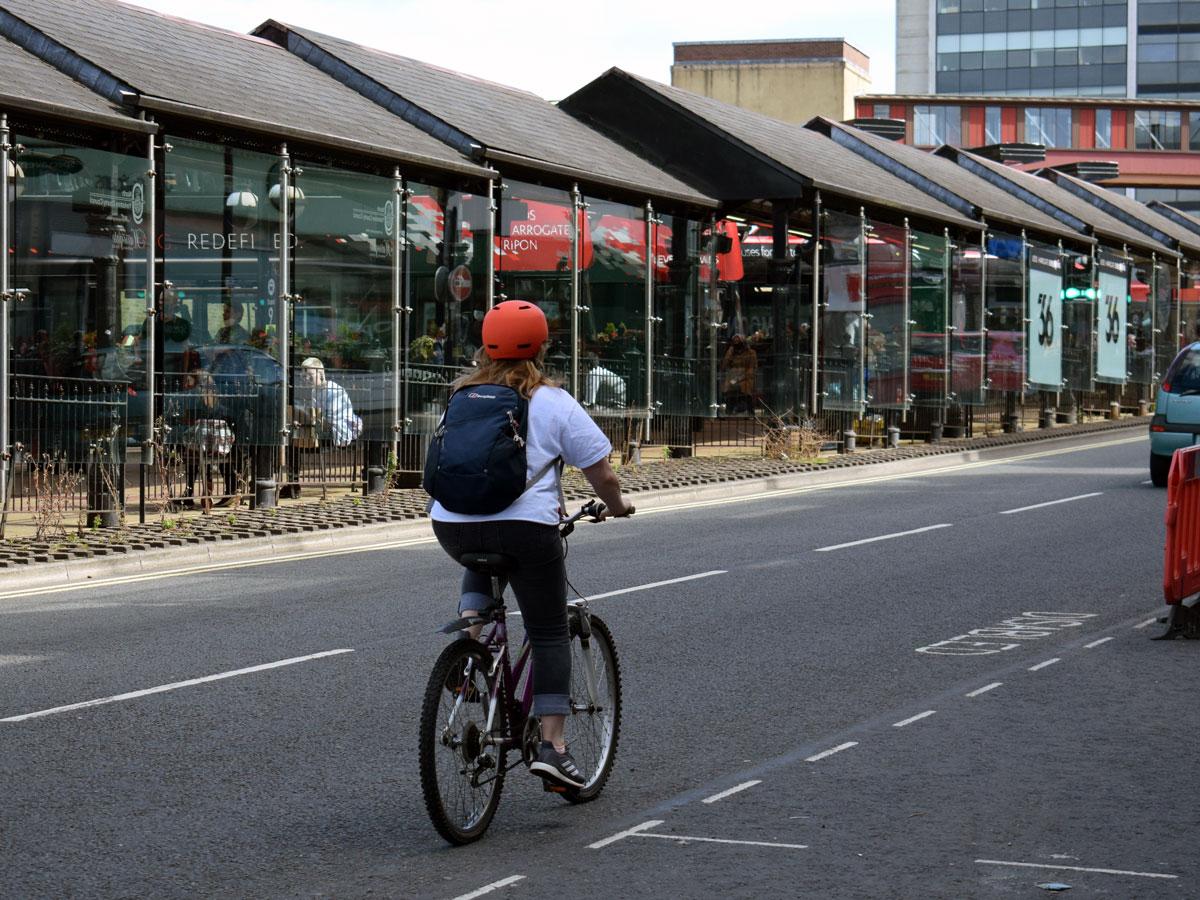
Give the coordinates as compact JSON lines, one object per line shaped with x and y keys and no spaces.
{"x":539,"y":581}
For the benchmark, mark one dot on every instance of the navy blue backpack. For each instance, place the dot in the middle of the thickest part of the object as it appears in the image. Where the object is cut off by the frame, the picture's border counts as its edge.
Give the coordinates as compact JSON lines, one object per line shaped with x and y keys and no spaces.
{"x":476,"y":461}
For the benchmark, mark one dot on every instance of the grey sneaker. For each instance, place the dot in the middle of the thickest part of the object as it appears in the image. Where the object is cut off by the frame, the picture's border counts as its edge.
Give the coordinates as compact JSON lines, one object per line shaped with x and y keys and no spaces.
{"x":556,"y":767}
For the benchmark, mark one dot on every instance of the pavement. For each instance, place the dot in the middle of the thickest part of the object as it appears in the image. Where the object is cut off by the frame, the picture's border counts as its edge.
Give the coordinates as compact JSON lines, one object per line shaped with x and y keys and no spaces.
{"x":928,"y":681}
{"x":237,"y":536}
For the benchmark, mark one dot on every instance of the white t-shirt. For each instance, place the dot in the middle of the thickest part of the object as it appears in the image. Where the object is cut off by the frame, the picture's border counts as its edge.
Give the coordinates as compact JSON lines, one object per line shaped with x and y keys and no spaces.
{"x":558,"y":426}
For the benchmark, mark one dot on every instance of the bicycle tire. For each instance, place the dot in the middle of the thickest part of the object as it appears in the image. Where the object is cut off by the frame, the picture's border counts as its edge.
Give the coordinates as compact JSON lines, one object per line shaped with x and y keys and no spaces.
{"x":460,"y":805}
{"x":593,"y":735}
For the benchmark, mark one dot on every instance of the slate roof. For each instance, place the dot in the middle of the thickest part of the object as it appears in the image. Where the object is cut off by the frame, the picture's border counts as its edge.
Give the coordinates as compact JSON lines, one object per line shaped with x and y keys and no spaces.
{"x":1101,"y":224}
{"x":239,"y":80}
{"x":1186,"y":219}
{"x":27,"y":83}
{"x":994,"y":203}
{"x":502,"y":118}
{"x":828,"y":166}
{"x":1188,"y":240}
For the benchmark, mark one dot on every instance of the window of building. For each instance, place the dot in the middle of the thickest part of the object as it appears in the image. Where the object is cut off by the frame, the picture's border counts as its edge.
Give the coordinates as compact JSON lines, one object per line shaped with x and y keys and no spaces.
{"x":1156,"y":129}
{"x":1104,"y":129}
{"x":991,"y":125}
{"x":881,"y":111}
{"x":937,"y":125}
{"x":1194,"y":131}
{"x":1048,"y":126}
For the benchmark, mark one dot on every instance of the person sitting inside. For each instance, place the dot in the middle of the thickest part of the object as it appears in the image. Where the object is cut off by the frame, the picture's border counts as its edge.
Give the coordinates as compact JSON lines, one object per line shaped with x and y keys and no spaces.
{"x":327,"y":403}
{"x":740,"y":366}
{"x":232,"y":332}
{"x":600,"y":382}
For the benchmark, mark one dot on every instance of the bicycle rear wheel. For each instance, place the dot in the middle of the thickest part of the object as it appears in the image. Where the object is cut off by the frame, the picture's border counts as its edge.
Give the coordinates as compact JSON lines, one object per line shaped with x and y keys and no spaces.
{"x":461,"y":773}
{"x":594,"y":725}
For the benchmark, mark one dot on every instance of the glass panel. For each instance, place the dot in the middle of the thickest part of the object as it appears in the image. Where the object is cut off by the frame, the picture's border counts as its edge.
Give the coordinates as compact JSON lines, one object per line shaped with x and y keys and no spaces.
{"x":79,"y":249}
{"x":991,"y":127}
{"x":842,"y":314}
{"x":1103,"y":129}
{"x":886,"y":343}
{"x":1189,"y":303}
{"x":1079,"y":321}
{"x":1141,"y":324}
{"x":1005,"y":311}
{"x":344,"y":246}
{"x":534,"y":261}
{"x":929,"y":290}
{"x":967,"y":344}
{"x":222,"y":247}
{"x":681,"y":301}
{"x":1156,"y":129}
{"x":613,"y":329}
{"x":1166,"y":320}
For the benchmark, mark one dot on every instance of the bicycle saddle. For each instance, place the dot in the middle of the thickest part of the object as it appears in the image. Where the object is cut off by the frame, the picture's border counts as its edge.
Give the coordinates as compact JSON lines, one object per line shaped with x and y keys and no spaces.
{"x":488,"y":563}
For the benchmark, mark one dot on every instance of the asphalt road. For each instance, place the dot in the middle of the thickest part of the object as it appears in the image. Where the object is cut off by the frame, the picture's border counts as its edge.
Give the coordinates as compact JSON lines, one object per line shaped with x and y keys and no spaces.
{"x":966,"y":764}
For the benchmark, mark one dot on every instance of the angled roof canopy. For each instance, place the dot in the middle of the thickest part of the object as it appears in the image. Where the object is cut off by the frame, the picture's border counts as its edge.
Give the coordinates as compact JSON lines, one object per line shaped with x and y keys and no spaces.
{"x":1132,"y":212}
{"x":937,"y":176}
{"x":1178,"y":216}
{"x":1055,"y":201}
{"x":209,"y":74}
{"x":512,"y":127}
{"x":738,"y":155}
{"x":28,"y":84}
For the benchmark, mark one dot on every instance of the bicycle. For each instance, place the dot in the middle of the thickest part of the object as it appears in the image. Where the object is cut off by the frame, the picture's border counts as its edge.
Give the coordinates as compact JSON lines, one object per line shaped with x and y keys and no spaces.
{"x":477,"y":709}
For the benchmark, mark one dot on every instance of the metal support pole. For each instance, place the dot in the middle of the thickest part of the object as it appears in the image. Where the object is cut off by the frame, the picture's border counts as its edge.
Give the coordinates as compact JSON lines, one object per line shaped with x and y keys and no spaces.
{"x":862,"y":314}
{"x":151,"y":343}
{"x":397,"y":308}
{"x":576,"y":240}
{"x":285,"y":297}
{"x":814,"y":333}
{"x":714,"y":312}
{"x":984,"y":380}
{"x":908,"y":322}
{"x":947,"y":312}
{"x":490,"y":248}
{"x":651,"y":319}
{"x":6,"y":185}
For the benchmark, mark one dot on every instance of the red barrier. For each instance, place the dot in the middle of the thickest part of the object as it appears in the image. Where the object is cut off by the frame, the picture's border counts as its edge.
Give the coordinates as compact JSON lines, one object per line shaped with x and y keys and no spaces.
{"x":1181,"y":570}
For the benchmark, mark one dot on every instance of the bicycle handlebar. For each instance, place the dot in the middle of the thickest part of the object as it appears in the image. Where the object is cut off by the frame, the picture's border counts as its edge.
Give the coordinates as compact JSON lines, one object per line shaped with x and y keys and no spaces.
{"x":593,"y":509}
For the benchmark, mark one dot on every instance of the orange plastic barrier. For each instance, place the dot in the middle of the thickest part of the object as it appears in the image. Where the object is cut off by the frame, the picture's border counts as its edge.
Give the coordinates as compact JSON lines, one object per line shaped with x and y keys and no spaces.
{"x":1181,"y":570}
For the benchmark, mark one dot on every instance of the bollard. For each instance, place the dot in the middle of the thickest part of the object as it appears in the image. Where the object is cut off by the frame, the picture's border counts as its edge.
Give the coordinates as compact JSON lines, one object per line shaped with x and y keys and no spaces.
{"x":935,"y":432}
{"x":893,"y":437}
{"x":264,"y":494}
{"x":1143,"y":407}
{"x":633,"y":453}
{"x":376,"y":480}
{"x":1114,"y":410}
{"x":848,"y":439}
{"x":1067,"y":416}
{"x":1046,"y":418}
{"x":1011,"y":424}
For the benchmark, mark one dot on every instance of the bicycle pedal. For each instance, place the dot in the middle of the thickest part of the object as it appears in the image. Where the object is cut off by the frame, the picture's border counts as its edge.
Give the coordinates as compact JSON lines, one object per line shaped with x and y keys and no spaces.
{"x":553,"y":788}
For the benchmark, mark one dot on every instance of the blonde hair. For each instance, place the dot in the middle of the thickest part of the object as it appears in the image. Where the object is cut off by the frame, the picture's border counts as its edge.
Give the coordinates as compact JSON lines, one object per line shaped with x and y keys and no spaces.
{"x":522,"y":375}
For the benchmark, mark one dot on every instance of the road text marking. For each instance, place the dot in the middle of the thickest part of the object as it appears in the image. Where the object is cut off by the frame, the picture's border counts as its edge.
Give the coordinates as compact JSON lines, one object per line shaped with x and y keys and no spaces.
{"x":1043,"y":665}
{"x":621,"y":835}
{"x":985,"y":689}
{"x":883,"y":537}
{"x":708,"y":840}
{"x":838,"y":749}
{"x":1025,"y":865}
{"x":917,"y":718}
{"x":1009,"y":512}
{"x":1145,"y":624}
{"x":494,"y":886}
{"x":1096,"y":643}
{"x":1006,"y":635}
{"x":174,"y":686}
{"x":733,"y":790}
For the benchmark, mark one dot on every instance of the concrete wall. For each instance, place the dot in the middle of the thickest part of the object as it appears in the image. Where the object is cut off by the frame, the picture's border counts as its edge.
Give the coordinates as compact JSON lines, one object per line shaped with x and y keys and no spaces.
{"x":791,"y":91}
{"x":914,"y":47}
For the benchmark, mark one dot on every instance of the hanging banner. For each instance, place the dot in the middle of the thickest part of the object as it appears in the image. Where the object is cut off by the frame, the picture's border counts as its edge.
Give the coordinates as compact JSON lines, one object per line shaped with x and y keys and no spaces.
{"x":1112,"y":343}
{"x":1044,"y":312}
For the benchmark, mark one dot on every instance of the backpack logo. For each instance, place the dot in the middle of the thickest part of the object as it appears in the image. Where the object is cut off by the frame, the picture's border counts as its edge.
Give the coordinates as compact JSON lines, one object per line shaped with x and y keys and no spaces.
{"x":475,"y":396}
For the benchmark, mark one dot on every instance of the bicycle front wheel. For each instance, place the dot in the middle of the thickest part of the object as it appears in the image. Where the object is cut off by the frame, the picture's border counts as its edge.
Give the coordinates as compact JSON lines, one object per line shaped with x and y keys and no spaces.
{"x":594,"y":725}
{"x":462,"y":771}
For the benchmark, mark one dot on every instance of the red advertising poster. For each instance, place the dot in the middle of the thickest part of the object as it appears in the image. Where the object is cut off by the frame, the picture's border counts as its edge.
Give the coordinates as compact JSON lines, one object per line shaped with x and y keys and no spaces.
{"x":729,"y":265}
{"x":620,"y":244}
{"x":540,"y":239}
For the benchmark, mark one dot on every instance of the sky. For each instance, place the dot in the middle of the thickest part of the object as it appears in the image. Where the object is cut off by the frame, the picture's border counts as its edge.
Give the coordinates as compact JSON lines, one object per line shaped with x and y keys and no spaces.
{"x":554,"y":48}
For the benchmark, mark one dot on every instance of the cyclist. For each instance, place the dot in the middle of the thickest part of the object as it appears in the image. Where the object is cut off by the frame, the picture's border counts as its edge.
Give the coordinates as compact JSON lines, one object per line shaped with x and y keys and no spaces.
{"x":514,"y":337}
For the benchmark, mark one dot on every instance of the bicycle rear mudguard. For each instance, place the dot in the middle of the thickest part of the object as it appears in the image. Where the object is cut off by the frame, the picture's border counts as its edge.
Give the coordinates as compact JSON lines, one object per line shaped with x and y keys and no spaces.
{"x":467,"y":622}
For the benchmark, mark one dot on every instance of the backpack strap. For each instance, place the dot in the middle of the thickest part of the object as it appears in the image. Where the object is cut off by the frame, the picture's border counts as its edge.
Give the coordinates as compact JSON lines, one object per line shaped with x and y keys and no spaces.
{"x":557,"y":465}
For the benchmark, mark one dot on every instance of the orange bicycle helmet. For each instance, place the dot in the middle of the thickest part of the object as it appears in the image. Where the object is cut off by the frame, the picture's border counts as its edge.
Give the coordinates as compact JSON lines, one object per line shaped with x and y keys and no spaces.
{"x":514,"y":329}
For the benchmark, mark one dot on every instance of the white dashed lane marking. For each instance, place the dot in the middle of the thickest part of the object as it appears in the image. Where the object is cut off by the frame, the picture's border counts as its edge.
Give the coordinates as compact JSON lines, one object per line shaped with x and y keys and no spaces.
{"x":1025,"y":865}
{"x":985,"y":689}
{"x":1021,"y":509}
{"x":1096,"y":643}
{"x":1043,"y":665}
{"x":733,"y":790}
{"x":494,"y":886}
{"x":917,"y":718}
{"x":817,"y":757}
